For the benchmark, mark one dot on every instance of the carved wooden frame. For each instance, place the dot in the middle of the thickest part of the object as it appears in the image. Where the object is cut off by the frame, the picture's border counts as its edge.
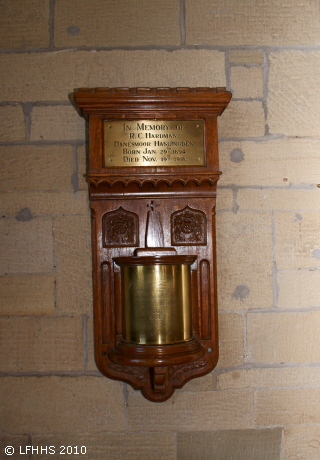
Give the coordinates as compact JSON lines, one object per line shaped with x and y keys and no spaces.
{"x":155,"y":370}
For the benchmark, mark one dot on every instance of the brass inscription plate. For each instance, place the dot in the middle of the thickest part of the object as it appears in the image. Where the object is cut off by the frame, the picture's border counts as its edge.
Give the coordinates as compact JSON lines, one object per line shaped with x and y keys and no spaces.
{"x":131,"y":143}
{"x":156,"y":304}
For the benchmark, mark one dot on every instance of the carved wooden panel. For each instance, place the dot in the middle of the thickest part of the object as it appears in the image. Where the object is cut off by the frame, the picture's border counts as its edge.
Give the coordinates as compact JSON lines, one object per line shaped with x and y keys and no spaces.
{"x":120,"y":228}
{"x":188,"y":227}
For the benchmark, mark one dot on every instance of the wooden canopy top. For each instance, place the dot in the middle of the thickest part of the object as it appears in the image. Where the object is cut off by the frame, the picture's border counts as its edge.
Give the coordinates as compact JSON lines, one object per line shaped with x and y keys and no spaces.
{"x":90,"y":101}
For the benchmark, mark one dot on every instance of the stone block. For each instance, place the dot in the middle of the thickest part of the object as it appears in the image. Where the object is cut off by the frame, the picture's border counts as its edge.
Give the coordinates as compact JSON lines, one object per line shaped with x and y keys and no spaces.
{"x":246,"y":82}
{"x":297,"y":239}
{"x":231,"y":352}
{"x":280,"y":162}
{"x":278,"y":199}
{"x":74,"y":269}
{"x":27,"y":246}
{"x":24,"y":24}
{"x":269,"y":378}
{"x":82,"y":167}
{"x":242,"y":119}
{"x":26,"y":295}
{"x":91,"y":364}
{"x":111,"y":446}
{"x":206,"y":383}
{"x":61,"y":404}
{"x":246,"y":56}
{"x":293,"y":98}
{"x":12,"y":127}
{"x":283,"y":337}
{"x":224,"y":199}
{"x":237,"y":23}
{"x":240,"y":444}
{"x":299,"y":288}
{"x":244,"y":259}
{"x":188,"y":411}
{"x":120,"y":23}
{"x":41,"y":344}
{"x":288,"y":406}
{"x":302,"y":442}
{"x":51,"y":76}
{"x":28,"y":167}
{"x":56,"y":123}
{"x":44,"y":203}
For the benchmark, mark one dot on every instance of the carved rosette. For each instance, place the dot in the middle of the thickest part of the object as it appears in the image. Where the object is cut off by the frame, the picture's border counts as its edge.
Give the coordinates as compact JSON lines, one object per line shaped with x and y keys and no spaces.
{"x":120,"y":228}
{"x":188,"y":227}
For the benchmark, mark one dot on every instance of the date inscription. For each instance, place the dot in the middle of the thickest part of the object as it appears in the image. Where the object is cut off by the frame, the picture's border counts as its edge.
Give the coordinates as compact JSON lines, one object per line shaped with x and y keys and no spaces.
{"x":132,"y":143}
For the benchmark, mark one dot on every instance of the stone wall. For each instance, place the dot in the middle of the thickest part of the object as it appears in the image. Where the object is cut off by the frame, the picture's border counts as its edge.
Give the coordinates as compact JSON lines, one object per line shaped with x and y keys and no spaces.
{"x":263,"y":399}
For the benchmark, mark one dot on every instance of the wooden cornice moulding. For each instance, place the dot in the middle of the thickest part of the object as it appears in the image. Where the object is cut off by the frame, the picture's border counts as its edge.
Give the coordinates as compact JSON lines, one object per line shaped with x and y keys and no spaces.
{"x":197,"y":179}
{"x":159,"y":100}
{"x":153,"y":171}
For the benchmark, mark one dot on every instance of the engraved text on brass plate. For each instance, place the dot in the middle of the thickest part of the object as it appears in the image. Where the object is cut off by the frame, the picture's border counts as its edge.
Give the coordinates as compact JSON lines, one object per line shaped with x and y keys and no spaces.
{"x":131,"y":143}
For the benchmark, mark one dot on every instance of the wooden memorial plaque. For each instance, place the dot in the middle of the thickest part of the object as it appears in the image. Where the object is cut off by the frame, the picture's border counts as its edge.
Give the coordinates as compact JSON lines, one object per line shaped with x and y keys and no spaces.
{"x":153,"y":170}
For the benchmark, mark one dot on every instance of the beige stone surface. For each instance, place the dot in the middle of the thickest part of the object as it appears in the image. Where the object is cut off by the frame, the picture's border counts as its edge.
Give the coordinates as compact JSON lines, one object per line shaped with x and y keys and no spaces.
{"x":283,"y":337}
{"x":244,"y":260}
{"x":246,"y":82}
{"x":299,"y":288}
{"x":288,"y":406}
{"x":117,"y":23}
{"x":230,"y":444}
{"x":240,"y":23}
{"x":279,"y":162}
{"x":82,"y":167}
{"x":112,"y":446}
{"x":91,"y":364}
{"x":24,"y":24}
{"x":51,"y":76}
{"x":29,"y":167}
{"x":231,"y":352}
{"x":188,"y":411}
{"x":242,"y":119}
{"x":12,"y":127}
{"x":297,"y":239}
{"x":246,"y":56}
{"x":302,"y":442}
{"x":27,"y":247}
{"x":26,"y":295}
{"x":278,"y":199}
{"x":52,"y":404}
{"x":16,"y":442}
{"x":41,"y":344}
{"x":224,"y":199}
{"x":206,"y":383}
{"x":57,"y":123}
{"x":72,"y":236}
{"x":269,"y":378}
{"x":44,"y":203}
{"x":294,"y":99}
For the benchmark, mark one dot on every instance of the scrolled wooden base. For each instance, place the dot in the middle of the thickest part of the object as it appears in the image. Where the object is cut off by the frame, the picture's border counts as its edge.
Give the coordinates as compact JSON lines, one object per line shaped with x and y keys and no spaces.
{"x":157,"y":370}
{"x":129,"y":354}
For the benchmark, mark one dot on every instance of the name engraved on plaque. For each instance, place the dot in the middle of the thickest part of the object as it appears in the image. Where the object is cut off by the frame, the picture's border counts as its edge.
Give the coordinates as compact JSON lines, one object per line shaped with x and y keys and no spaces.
{"x":131,"y":143}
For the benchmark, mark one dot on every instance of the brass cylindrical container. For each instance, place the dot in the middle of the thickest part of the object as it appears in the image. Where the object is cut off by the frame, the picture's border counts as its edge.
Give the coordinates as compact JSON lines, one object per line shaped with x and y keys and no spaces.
{"x":156,"y":299}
